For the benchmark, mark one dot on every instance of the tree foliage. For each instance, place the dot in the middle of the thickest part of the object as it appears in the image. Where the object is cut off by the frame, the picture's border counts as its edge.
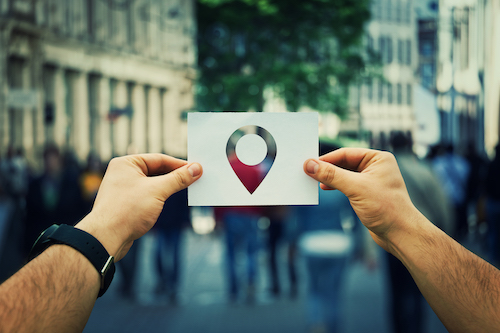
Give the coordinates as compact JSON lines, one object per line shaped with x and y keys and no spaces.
{"x":307,"y":52}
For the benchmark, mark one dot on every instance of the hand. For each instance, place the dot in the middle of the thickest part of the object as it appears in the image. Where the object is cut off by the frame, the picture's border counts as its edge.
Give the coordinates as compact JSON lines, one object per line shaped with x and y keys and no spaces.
{"x":131,"y":198}
{"x":373,"y":183}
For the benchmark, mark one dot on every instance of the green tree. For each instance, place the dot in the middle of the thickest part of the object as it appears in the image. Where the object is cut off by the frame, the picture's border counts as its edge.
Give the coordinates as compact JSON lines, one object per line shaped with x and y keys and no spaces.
{"x":308,"y":52}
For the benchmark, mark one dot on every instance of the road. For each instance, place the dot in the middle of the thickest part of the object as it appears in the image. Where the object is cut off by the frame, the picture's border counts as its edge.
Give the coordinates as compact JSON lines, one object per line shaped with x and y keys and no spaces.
{"x":203,"y":306}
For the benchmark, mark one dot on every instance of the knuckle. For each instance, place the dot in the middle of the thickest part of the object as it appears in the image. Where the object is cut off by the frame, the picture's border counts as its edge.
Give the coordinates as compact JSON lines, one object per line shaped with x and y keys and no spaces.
{"x":114,"y":161}
{"x":329,"y":175}
{"x":388,"y":155}
{"x":181,"y":179}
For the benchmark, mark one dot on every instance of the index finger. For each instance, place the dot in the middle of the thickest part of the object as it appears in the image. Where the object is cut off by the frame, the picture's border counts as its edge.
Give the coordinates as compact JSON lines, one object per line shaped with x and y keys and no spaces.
{"x":354,"y":159}
{"x":156,"y":164}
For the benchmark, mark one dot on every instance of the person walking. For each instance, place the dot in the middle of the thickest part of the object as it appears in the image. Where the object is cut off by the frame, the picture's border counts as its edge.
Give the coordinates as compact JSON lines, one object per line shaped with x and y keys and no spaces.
{"x":493,"y":208}
{"x":407,"y":310}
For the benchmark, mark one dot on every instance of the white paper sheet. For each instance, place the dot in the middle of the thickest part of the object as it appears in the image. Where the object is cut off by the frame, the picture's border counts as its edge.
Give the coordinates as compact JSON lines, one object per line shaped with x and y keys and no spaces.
{"x":295,"y":137}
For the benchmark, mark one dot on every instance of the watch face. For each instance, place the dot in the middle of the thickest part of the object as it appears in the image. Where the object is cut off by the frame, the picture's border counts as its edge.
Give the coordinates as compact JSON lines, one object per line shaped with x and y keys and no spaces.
{"x":39,"y":245}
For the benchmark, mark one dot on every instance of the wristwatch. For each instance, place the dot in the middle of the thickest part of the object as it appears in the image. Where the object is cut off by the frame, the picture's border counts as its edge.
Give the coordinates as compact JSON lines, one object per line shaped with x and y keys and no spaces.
{"x":81,"y":241}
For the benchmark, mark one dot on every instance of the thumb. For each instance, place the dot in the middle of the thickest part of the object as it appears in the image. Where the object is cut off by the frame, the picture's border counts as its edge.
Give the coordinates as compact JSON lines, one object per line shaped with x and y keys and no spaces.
{"x":180,"y":178}
{"x":330,"y":175}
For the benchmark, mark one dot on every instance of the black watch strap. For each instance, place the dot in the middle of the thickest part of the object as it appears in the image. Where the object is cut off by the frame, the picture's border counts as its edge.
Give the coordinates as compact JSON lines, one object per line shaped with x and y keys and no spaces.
{"x":89,"y":246}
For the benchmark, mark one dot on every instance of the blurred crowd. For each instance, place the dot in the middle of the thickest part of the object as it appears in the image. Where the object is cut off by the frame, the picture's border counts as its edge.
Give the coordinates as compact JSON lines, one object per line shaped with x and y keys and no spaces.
{"x":458,"y":191}
{"x":62,"y":192}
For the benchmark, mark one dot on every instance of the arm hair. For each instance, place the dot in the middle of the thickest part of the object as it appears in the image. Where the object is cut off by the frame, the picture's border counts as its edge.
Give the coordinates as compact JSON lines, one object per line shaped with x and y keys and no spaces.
{"x":55,"y":292}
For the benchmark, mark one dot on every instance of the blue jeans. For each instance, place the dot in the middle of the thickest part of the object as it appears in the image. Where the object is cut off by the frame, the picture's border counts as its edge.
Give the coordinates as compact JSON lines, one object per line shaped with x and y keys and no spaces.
{"x":167,"y":259}
{"x":241,"y":232}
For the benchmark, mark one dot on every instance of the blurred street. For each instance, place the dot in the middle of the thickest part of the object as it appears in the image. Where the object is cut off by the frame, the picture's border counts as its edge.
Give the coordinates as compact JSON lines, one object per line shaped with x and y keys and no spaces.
{"x":203,"y":305}
{"x":86,"y":81}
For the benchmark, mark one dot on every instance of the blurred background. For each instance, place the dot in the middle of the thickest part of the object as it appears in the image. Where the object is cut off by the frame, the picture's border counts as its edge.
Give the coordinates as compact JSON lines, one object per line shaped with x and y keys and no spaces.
{"x":83,"y":81}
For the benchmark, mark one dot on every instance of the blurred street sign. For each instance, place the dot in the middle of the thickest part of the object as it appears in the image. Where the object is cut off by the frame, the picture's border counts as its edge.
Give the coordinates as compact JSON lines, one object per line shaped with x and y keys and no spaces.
{"x":22,"y":98}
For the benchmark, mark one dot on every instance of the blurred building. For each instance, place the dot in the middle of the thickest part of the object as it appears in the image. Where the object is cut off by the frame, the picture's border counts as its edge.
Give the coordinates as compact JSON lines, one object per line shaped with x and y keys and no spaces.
{"x":491,"y":72}
{"x":381,"y":106}
{"x":96,"y":75}
{"x":428,"y":125}
{"x":468,"y":76}
{"x":426,"y":14}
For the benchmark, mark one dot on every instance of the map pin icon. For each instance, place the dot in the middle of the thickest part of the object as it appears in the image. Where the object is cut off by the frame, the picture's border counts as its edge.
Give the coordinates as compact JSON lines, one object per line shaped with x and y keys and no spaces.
{"x":251,"y":176}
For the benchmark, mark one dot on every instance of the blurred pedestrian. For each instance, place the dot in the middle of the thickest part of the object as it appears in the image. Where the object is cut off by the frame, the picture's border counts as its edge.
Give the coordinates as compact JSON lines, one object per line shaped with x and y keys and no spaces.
{"x":241,"y":233}
{"x":476,"y":182}
{"x":277,"y":233}
{"x":174,"y":217}
{"x":127,"y":269}
{"x":90,"y":180}
{"x":14,"y":179}
{"x":54,"y":197}
{"x":327,"y":243}
{"x":427,"y":195}
{"x":453,"y":172}
{"x":493,"y":207}
{"x":14,"y":171}
{"x":6,"y":213}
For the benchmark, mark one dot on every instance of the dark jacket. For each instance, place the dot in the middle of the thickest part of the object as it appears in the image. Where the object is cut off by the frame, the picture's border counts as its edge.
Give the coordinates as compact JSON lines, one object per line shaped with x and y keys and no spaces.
{"x":67,"y":207}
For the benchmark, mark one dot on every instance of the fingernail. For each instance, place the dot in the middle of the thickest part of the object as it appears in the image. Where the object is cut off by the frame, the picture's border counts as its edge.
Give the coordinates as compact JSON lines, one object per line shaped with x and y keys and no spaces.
{"x":312,"y":167}
{"x":194,"y":169}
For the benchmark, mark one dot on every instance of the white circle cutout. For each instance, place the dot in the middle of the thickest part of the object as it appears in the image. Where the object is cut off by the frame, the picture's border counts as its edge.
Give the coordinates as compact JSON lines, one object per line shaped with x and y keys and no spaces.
{"x":251,"y":149}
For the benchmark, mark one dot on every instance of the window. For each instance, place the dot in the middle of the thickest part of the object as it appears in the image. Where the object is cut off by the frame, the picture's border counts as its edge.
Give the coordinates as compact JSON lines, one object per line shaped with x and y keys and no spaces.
{"x":426,"y":48}
{"x":389,"y":93}
{"x":408,"y":12}
{"x":369,"y":89}
{"x":130,"y":26}
{"x":381,"y":48}
{"x":400,"y":51}
{"x":90,"y":19}
{"x":427,"y":75}
{"x":369,"y":43}
{"x":379,"y":10}
{"x":409,"y":94}
{"x":389,"y":11}
{"x":408,"y":52}
{"x":400,"y":93}
{"x":375,"y":10}
{"x":380,"y":92}
{"x":427,"y":70}
{"x":398,"y":11}
{"x":389,"y":50}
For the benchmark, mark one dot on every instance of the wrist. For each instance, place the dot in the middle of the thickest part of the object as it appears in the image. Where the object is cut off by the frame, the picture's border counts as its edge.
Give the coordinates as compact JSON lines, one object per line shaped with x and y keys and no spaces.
{"x":107,"y":237}
{"x":407,"y":234}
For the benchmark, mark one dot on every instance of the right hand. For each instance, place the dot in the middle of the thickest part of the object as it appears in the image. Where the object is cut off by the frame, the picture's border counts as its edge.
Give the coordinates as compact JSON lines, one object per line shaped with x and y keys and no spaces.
{"x":373,"y":183}
{"x":131,"y":198}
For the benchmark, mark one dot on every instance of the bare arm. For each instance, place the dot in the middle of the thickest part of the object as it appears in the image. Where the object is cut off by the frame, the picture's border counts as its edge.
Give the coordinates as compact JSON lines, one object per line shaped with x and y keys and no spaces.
{"x":462,"y":289}
{"x":56,"y":291}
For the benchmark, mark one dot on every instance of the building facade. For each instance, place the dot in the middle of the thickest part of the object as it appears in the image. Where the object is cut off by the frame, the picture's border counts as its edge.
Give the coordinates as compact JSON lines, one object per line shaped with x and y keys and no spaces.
{"x":103,"y":76}
{"x":381,"y":106}
{"x":426,"y":13}
{"x":468,"y":77}
{"x":491,"y":71}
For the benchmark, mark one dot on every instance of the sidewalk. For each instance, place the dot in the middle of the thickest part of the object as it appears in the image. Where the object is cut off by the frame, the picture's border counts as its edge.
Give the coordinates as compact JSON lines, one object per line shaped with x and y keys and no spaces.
{"x":203,"y":306}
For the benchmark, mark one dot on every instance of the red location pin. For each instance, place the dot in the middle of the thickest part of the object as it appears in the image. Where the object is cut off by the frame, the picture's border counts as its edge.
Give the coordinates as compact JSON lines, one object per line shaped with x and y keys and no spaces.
{"x":251,"y":176}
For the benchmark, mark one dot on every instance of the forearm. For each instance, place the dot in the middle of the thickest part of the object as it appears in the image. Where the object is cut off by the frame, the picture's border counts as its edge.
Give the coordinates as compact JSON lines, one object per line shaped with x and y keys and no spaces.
{"x":55,"y":292}
{"x":462,"y":289}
